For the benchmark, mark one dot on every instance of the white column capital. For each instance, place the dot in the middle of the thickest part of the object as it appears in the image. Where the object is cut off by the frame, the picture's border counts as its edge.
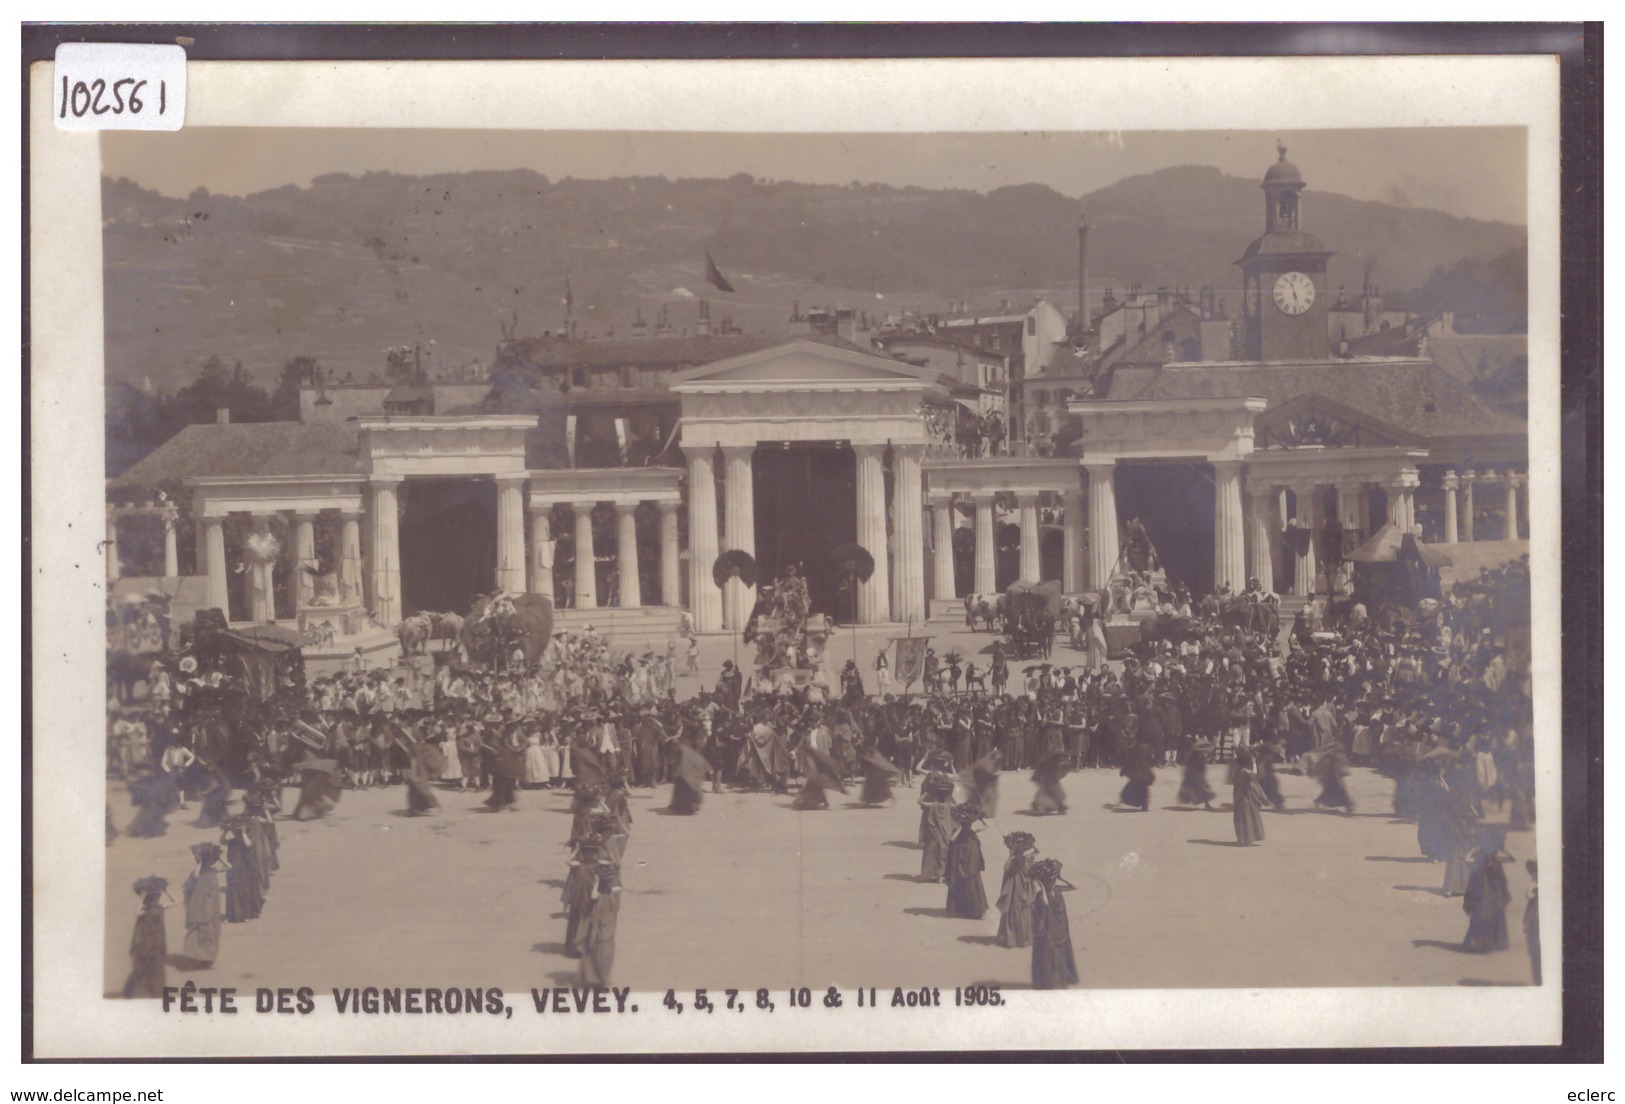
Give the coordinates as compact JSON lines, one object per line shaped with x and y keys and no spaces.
{"x":583,"y":506}
{"x":1452,"y":481}
{"x":626,"y":507}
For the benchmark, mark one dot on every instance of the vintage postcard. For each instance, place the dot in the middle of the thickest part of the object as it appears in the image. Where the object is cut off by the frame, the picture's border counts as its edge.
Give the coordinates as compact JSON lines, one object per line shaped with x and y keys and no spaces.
{"x":908,"y":555}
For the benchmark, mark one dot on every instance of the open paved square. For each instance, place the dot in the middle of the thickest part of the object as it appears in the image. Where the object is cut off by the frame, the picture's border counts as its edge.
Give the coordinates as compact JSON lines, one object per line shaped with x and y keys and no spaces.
{"x":750,"y":893}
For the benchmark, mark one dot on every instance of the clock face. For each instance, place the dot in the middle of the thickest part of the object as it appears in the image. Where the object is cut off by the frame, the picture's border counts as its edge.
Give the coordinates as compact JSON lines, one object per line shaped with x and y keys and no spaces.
{"x":1294,"y":293}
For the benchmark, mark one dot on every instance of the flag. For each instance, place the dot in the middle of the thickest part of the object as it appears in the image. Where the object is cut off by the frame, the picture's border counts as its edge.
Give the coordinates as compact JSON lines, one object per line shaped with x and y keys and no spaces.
{"x":570,"y":437}
{"x":909,"y":664}
{"x":620,"y":435}
{"x":714,"y":276}
{"x":569,"y":299}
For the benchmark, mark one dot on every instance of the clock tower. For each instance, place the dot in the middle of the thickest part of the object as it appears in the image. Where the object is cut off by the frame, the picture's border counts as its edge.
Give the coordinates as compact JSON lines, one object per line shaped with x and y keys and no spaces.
{"x":1284,"y":277}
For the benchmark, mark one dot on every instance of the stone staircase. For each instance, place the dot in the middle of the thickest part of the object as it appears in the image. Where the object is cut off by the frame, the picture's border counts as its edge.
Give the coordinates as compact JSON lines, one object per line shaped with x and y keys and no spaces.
{"x":946,"y":609}
{"x":638,"y":625}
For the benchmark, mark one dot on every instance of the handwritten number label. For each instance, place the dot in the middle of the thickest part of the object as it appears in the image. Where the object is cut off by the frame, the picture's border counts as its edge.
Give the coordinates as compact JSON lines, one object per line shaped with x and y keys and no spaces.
{"x":119,"y":86}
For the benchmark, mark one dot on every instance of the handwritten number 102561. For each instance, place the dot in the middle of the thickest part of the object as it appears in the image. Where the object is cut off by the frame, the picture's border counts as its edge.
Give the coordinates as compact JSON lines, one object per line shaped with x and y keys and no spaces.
{"x":83,"y":99}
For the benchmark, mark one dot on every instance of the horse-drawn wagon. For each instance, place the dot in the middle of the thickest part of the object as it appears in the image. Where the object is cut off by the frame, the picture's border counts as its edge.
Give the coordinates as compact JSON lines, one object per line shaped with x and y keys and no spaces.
{"x":1030,"y":613}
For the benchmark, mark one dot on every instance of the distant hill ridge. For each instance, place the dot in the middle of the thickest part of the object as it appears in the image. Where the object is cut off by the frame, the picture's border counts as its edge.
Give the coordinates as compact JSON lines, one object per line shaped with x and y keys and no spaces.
{"x":353,"y":264}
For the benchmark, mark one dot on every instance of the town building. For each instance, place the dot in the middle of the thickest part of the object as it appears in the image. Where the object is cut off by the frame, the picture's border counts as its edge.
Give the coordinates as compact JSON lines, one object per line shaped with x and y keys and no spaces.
{"x":609,"y":475}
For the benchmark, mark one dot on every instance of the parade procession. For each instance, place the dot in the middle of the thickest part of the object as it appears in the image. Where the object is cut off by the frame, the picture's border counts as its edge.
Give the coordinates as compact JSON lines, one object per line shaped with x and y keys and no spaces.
{"x":1199,"y":656}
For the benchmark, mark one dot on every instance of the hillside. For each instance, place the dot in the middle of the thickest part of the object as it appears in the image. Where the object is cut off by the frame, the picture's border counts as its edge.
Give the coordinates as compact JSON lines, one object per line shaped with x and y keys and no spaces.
{"x":350,"y":265}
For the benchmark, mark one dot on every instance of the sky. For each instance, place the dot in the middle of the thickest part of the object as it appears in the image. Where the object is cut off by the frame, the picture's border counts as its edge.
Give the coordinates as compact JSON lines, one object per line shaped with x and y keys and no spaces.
{"x":1476,"y":172}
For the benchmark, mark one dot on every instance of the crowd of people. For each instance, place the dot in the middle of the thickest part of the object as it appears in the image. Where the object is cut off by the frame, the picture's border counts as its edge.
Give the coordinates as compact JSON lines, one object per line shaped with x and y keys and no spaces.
{"x":1435,"y":697}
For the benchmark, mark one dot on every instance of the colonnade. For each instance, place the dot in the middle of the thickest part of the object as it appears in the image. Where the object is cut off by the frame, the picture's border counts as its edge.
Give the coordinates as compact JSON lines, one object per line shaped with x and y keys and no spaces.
{"x":894,"y":591}
{"x":585,"y":577}
{"x":1459,"y":512}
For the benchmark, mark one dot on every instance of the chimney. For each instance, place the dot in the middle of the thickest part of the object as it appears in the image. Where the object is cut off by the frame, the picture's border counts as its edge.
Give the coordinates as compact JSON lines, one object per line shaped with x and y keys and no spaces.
{"x":222,"y":415}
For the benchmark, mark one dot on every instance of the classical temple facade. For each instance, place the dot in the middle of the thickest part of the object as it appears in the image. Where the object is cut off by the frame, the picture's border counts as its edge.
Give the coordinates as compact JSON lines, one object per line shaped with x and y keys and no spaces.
{"x":1236,"y":469}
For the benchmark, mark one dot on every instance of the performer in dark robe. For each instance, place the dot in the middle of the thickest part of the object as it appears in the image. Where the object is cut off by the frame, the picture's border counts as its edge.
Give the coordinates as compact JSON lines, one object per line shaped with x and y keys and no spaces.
{"x":1017,"y":892}
{"x":967,"y":900}
{"x":1247,"y":802}
{"x":215,"y":796}
{"x":1486,"y":902}
{"x":1269,"y":754}
{"x":1460,"y":838}
{"x":1051,"y":798}
{"x":1432,"y":797}
{"x":1330,"y":770}
{"x":149,"y":944}
{"x":503,"y":761}
{"x":261,"y":805}
{"x":203,"y":905}
{"x":424,"y":766}
{"x":597,"y":936}
{"x":155,"y":796}
{"x":1193,"y":788}
{"x":687,"y":782}
{"x":1531,"y":920}
{"x":823,"y":774}
{"x":878,"y":776}
{"x":1054,"y":966}
{"x":319,"y":790}
{"x":1138,"y":769}
{"x":615,"y":799}
{"x":982,"y":780}
{"x":244,"y":895}
{"x":578,"y":890}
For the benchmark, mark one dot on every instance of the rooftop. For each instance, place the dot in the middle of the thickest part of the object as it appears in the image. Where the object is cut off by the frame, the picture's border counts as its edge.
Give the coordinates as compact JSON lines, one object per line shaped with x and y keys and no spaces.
{"x":248,"y":448}
{"x":1413,"y":395}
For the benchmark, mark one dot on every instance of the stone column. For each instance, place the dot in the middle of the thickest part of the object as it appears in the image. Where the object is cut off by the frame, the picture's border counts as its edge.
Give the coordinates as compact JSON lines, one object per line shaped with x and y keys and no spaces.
{"x":386,"y":551}
{"x":908,"y":575}
{"x":1102,"y":525}
{"x":304,"y":547}
{"x":1452,"y":483}
{"x":214,"y":543}
{"x":1027,"y":511}
{"x":349,"y":559}
{"x":986,"y":566}
{"x":942,"y":535}
{"x":626,"y":554}
{"x":1072,"y":576}
{"x":542,"y":549}
{"x":1396,"y":502}
{"x":200,"y":545}
{"x":114,"y":569}
{"x":704,"y":600}
{"x":874,"y":595}
{"x":1512,"y":506}
{"x":1468,"y":477}
{"x":670,"y":556}
{"x":511,"y":534}
{"x":172,"y":559}
{"x":1409,"y":497}
{"x":1229,"y":527}
{"x":586,"y":557}
{"x":740,"y":485}
{"x":1262,"y":530}
{"x":1308,"y":562}
{"x":1362,"y":510}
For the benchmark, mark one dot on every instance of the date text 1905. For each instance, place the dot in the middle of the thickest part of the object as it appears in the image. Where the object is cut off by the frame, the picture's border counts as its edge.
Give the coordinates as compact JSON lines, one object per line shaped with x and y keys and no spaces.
{"x":737,"y":1001}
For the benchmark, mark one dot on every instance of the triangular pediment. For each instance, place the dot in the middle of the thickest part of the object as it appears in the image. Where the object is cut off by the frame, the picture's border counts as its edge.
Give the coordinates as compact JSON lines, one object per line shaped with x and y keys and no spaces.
{"x":801,"y":364}
{"x":1313,"y":420}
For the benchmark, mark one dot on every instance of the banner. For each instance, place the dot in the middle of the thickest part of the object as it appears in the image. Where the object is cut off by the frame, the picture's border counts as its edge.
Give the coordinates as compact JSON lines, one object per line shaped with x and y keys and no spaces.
{"x":570,"y":437}
{"x":908,"y":663}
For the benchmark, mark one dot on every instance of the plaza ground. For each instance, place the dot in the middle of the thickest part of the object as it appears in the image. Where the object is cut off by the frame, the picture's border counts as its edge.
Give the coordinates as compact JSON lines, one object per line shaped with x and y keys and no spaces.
{"x":750,"y":893}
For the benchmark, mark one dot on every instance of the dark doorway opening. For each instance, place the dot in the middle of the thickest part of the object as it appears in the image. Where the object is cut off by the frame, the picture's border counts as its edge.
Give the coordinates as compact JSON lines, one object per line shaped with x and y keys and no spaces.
{"x":448,"y":542}
{"x":1174,"y":501}
{"x":806,"y":507}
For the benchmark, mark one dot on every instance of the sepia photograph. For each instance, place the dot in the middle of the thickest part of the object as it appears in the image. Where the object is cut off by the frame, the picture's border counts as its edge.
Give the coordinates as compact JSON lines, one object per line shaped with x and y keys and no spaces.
{"x":704,"y":574}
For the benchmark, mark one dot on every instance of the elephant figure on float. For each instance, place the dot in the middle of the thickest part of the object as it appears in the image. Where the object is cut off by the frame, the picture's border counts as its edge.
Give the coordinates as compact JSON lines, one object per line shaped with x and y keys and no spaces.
{"x":499,"y":624}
